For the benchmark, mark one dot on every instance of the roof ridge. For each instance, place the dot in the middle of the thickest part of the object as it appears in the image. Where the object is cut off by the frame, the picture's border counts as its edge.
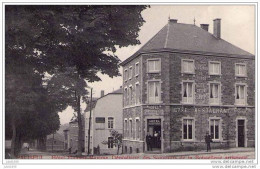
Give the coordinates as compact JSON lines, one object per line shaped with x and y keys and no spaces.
{"x":167,"y":36}
{"x":150,"y":40}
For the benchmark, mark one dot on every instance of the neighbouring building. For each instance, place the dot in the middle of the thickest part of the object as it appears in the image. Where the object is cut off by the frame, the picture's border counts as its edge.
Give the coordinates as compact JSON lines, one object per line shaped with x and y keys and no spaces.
{"x":106,"y":115}
{"x":183,"y":83}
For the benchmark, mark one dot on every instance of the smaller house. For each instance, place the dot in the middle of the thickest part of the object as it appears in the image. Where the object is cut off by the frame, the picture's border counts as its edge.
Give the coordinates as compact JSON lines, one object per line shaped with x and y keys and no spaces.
{"x":106,"y":115}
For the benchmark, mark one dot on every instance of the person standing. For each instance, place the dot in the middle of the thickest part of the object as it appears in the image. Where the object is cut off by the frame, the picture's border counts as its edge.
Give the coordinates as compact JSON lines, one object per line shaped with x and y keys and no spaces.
{"x":208,"y":139}
{"x":148,"y":142}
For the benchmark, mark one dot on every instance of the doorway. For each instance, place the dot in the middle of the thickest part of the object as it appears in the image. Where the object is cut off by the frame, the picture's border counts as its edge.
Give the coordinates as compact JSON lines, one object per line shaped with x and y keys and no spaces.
{"x":241,"y":133}
{"x":154,"y":131}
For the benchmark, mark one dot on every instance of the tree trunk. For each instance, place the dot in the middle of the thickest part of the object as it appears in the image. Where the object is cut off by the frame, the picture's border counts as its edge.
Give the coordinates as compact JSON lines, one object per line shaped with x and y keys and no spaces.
{"x":13,"y":138}
{"x":80,"y":128}
{"x":118,"y":150}
{"x":18,"y":144}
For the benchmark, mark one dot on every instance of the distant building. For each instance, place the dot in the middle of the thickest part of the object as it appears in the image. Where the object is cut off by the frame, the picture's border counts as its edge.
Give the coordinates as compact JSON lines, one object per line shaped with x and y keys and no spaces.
{"x":71,"y":136}
{"x":183,"y":83}
{"x":55,"y":142}
{"x":106,"y":116}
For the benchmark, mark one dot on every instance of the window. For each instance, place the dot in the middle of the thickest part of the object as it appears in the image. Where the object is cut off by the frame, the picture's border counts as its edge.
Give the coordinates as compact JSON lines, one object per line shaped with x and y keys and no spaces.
{"x":188,"y":66}
{"x":110,"y":122}
{"x":214,"y":68}
{"x":130,"y":128}
{"x":100,"y":122}
{"x":240,"y":69}
{"x":154,"y":91}
{"x":240,"y":94}
{"x":187,"y":92}
{"x":214,"y":128}
{"x":110,"y":142}
{"x":125,"y":97}
{"x":137,"y":129}
{"x":137,"y":93}
{"x":130,"y":72}
{"x":154,"y":65}
{"x":137,"y":69}
{"x":214,"y":93}
{"x":130,"y":101}
{"x":126,"y":75}
{"x":188,"y":129}
{"x":125,"y":129}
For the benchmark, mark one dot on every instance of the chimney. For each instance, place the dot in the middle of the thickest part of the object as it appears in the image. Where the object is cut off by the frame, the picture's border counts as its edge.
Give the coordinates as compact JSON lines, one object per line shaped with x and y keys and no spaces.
{"x":217,"y":28}
{"x":205,"y":27}
{"x":173,"y":20}
{"x":102,"y":93}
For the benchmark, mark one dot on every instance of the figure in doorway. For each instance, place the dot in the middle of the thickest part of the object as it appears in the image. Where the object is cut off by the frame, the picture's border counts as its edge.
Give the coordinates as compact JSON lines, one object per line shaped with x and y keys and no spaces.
{"x":208,"y":140}
{"x":149,"y":142}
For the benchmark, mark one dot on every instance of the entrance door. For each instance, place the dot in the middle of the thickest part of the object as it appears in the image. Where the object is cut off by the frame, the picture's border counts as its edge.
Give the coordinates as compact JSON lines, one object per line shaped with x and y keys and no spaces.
{"x":154,"y":131}
{"x":241,"y":133}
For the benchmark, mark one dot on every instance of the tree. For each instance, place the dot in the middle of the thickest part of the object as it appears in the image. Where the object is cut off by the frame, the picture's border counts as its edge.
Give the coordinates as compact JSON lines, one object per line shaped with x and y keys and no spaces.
{"x":51,"y":39}
{"x":116,"y":138}
{"x":69,"y":88}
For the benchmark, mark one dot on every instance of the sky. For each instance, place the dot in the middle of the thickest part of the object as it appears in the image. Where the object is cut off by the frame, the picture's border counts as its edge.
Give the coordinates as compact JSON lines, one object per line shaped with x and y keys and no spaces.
{"x":237,"y":27}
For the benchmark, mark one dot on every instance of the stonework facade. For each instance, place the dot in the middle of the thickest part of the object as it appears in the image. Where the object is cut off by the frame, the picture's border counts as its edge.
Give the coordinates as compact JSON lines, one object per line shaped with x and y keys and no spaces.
{"x":176,"y":96}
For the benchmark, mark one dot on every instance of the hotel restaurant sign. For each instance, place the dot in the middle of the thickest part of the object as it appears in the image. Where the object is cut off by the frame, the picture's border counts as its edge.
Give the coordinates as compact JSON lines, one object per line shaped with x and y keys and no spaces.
{"x":158,"y":110}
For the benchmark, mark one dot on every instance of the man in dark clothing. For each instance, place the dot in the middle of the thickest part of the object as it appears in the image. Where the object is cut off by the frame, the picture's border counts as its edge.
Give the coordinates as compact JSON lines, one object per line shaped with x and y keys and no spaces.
{"x":149,"y":142}
{"x":208,"y":139}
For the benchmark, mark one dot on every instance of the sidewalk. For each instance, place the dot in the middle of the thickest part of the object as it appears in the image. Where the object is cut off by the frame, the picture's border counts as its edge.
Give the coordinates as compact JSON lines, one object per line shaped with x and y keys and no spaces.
{"x":213,"y":151}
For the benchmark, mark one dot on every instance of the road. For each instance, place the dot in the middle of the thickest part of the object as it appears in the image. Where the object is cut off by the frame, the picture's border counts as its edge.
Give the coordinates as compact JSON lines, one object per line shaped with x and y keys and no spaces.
{"x":34,"y":154}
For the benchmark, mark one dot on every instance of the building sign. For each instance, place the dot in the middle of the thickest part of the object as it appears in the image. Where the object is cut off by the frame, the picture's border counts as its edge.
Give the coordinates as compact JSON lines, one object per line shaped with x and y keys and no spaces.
{"x":210,"y":110}
{"x":100,"y":119}
{"x":153,"y":122}
{"x":153,"y":110}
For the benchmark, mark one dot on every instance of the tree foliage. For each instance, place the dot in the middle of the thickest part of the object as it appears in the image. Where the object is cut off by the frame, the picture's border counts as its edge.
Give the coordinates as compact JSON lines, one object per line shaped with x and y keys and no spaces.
{"x":55,"y":40}
{"x":117,"y":139}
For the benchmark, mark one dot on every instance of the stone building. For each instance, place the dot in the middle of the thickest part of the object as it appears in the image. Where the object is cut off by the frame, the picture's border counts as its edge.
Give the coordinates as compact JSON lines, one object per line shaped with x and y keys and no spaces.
{"x":183,"y":83}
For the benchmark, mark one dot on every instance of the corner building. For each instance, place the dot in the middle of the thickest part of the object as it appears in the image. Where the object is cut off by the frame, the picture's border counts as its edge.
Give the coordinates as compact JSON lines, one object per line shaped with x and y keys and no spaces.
{"x":183,"y":83}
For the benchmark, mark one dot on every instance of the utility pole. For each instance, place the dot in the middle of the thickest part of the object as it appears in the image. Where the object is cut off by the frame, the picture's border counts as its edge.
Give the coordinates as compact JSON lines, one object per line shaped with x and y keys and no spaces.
{"x":89,"y":124}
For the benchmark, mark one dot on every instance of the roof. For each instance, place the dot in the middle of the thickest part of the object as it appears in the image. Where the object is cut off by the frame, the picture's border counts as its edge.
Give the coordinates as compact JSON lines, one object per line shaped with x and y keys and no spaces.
{"x":187,"y":37}
{"x":57,"y":136}
{"x":118,"y":91}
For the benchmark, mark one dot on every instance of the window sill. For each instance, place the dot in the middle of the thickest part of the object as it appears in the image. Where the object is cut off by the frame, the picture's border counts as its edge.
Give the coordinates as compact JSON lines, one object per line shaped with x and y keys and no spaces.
{"x":137,"y":75}
{"x":155,"y":103}
{"x":245,"y":76}
{"x":240,"y":105}
{"x":215,"y":74}
{"x":187,"y":103}
{"x":216,"y":140}
{"x":188,"y":141}
{"x":154,"y":72}
{"x":188,"y":73}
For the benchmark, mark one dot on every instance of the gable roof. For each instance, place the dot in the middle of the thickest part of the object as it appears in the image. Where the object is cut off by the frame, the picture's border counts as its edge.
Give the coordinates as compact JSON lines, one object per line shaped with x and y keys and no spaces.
{"x":188,"y":38}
